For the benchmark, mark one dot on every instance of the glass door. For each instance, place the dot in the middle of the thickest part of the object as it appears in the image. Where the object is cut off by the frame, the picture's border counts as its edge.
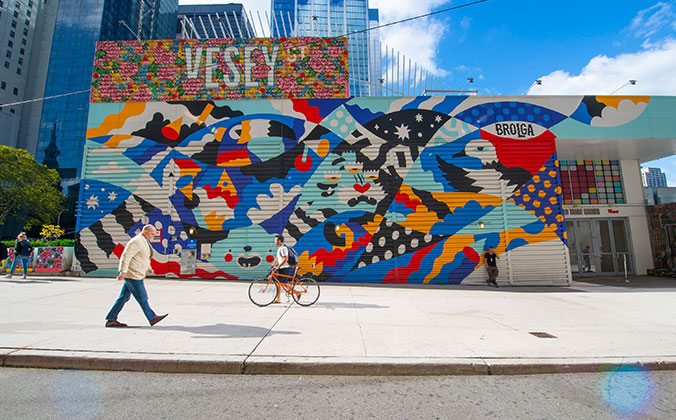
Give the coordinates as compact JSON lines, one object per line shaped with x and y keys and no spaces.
{"x":599,"y":247}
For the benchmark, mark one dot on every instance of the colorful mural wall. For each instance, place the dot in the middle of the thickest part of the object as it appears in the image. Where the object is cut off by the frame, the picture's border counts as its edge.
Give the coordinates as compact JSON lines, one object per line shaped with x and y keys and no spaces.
{"x":409,"y":190}
{"x":188,"y":70}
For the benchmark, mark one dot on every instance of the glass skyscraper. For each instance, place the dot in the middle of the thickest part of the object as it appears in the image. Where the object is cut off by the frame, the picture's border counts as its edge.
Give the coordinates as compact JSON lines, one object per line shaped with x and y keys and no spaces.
{"x":79,"y":24}
{"x":328,"y":18}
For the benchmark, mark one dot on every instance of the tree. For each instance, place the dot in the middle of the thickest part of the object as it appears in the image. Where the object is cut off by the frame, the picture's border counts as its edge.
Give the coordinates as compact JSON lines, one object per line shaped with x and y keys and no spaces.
{"x":27,"y":187}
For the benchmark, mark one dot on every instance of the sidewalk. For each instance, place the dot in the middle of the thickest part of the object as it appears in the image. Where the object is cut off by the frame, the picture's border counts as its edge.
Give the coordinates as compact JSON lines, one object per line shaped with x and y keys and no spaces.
{"x":57,"y":322}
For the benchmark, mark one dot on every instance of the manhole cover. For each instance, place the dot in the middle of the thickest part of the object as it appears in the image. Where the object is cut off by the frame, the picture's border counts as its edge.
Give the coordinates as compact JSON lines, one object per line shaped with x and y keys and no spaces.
{"x":540,"y":334}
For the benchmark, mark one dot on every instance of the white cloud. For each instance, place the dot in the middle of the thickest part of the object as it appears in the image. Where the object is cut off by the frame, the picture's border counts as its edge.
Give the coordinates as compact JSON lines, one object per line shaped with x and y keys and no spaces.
{"x":650,"y":21}
{"x":418,"y":42}
{"x":419,"y":39}
{"x":653,"y":68}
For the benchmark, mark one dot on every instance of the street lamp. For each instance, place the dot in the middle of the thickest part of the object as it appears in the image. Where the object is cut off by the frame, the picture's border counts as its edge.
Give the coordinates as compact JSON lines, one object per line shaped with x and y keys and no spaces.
{"x":469,"y":80}
{"x":123,"y":23}
{"x":536,"y":82}
{"x":58,"y":218}
{"x":630,"y":82}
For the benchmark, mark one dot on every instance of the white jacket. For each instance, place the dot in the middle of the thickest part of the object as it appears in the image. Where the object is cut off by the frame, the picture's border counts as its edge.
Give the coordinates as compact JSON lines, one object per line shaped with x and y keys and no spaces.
{"x":135,"y":259}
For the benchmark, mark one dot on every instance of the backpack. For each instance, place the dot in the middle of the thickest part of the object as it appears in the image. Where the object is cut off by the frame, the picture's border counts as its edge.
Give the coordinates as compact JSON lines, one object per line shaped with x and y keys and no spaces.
{"x":293,"y":255}
{"x":24,"y":251}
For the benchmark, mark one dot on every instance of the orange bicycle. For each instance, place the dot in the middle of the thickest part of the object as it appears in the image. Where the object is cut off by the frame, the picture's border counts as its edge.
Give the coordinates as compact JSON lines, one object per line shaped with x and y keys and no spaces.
{"x":264,"y":290}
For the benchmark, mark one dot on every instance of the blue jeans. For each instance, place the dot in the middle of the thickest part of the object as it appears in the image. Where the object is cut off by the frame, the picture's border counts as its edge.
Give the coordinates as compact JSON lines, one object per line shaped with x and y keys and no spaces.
{"x":136,"y":288}
{"x":24,"y":264}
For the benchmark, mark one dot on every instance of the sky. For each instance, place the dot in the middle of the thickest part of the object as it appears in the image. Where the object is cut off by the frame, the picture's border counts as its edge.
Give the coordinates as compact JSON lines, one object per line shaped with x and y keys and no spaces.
{"x":574,"y":47}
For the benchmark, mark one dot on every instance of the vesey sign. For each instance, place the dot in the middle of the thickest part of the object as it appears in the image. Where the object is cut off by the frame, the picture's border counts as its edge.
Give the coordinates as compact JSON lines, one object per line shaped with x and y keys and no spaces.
{"x":213,"y":69}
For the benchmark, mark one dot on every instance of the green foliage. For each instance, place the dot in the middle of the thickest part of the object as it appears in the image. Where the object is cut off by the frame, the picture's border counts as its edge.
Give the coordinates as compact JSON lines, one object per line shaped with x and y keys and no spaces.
{"x":35,"y":244}
{"x":26,"y":186}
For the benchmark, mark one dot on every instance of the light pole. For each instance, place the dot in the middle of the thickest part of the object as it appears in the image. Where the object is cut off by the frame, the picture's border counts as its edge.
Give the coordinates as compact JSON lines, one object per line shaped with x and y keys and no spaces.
{"x":123,"y":23}
{"x":58,"y":218}
{"x":630,"y":82}
{"x":536,"y":82}
{"x":469,"y":80}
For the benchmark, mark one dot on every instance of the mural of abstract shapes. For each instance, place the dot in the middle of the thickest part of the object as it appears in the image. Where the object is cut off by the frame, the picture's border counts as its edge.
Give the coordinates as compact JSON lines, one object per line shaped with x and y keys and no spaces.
{"x":591,"y":182}
{"x":365,"y":189}
{"x":610,"y":111}
{"x":189,"y":70}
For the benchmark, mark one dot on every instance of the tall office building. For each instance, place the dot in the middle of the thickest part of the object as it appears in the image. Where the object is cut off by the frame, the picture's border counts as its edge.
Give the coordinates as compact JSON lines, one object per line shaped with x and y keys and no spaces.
{"x":327,"y":18}
{"x":79,"y":24}
{"x":653,"y":177}
{"x":213,"y":21}
{"x":25,"y":38}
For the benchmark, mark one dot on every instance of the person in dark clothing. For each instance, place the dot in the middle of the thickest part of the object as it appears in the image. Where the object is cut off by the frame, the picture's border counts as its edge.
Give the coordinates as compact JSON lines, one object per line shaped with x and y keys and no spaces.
{"x":3,"y":252}
{"x":491,"y":266}
{"x":22,"y":254}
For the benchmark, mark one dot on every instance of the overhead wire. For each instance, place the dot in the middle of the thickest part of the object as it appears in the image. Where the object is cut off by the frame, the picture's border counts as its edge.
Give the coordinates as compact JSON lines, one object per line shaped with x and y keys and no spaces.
{"x":448,"y":9}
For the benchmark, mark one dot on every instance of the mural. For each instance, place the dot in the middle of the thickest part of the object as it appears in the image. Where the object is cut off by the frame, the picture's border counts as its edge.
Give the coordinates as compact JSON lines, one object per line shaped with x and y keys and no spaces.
{"x":409,"y":190}
{"x":190,"y":70}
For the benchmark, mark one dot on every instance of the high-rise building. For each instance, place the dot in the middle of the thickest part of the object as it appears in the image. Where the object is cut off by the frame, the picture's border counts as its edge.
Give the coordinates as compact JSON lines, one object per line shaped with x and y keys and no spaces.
{"x":79,"y":24}
{"x":26,"y":37}
{"x":327,"y":18}
{"x":213,"y":21}
{"x":653,"y":177}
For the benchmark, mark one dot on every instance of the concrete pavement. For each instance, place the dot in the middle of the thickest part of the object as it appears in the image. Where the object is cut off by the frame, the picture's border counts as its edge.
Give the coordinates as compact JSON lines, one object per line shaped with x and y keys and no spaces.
{"x":57,"y":322}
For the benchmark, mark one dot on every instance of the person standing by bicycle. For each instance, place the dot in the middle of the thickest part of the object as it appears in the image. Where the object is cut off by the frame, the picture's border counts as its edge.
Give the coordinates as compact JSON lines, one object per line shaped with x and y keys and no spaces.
{"x":281,"y":263}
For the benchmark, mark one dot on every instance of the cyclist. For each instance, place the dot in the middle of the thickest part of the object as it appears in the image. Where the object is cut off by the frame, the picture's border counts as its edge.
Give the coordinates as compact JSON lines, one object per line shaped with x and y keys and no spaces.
{"x":281,"y":263}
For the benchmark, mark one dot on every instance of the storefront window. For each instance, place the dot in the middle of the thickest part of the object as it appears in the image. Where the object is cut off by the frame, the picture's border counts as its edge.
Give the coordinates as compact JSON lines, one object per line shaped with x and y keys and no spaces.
{"x":591,"y":182}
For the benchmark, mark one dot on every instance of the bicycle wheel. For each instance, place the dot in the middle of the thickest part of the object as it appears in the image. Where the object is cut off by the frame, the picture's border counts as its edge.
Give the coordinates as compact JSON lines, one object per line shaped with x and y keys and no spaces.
{"x":305,"y":291}
{"x":263,"y":291}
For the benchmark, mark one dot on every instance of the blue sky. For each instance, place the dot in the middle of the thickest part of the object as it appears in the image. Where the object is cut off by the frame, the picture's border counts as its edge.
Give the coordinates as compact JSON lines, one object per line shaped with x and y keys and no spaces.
{"x":574,"y":47}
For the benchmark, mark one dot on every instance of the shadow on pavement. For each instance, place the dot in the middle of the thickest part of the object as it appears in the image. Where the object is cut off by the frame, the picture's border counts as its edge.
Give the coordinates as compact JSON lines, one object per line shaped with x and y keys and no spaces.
{"x":226,"y":331}
{"x":340,"y":305}
{"x":19,"y":280}
{"x":635,"y":282}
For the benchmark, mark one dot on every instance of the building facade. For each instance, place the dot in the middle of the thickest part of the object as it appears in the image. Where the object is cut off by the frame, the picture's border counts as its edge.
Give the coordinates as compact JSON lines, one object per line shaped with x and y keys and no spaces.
{"x":653,"y":177}
{"x":79,"y":25}
{"x":25,"y":37}
{"x":213,"y":21}
{"x":401,"y":190}
{"x":330,"y":18}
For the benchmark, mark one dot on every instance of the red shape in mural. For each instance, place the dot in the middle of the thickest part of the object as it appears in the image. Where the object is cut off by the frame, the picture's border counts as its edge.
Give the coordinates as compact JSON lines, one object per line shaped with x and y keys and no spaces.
{"x":303,"y":165}
{"x":530,"y":154}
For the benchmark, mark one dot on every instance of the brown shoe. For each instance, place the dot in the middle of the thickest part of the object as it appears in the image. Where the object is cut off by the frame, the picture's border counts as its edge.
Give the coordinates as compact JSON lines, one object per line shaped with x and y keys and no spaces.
{"x":157,"y":319}
{"x":115,"y":324}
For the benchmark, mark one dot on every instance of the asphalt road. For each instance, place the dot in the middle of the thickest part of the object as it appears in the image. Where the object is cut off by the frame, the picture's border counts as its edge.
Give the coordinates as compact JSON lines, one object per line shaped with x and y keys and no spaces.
{"x":68,"y":394}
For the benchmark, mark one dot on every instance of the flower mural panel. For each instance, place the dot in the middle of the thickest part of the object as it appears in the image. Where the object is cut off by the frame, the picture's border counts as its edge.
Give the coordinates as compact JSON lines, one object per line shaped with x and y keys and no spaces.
{"x":188,"y":70}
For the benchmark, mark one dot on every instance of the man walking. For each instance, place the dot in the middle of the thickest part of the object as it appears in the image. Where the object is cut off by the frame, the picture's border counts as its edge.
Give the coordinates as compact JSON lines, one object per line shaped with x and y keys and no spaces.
{"x":134,"y":265}
{"x":491,"y":266}
{"x":281,"y":263}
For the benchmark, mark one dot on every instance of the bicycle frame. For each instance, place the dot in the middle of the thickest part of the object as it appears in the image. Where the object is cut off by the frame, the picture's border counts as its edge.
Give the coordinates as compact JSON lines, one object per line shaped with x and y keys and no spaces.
{"x":287,"y":287}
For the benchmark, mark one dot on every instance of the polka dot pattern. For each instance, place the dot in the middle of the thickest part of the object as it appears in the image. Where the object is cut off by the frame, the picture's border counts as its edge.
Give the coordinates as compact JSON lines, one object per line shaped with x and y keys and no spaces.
{"x":392,"y":240}
{"x":541,"y":196}
{"x":490,"y":113}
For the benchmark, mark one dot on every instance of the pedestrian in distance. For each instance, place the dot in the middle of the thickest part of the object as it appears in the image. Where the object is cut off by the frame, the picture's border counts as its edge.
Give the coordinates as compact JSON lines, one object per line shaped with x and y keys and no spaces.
{"x":3,"y":252}
{"x":134,"y":266}
{"x":23,"y":252}
{"x":281,"y":263}
{"x":586,"y":252}
{"x":491,"y":266}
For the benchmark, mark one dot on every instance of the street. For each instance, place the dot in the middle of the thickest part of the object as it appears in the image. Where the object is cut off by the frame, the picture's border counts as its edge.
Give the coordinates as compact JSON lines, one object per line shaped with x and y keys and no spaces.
{"x":55,"y":394}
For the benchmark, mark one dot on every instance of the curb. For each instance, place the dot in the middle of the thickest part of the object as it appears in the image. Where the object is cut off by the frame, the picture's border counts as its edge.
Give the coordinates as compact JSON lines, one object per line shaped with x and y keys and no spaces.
{"x":196,"y":364}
